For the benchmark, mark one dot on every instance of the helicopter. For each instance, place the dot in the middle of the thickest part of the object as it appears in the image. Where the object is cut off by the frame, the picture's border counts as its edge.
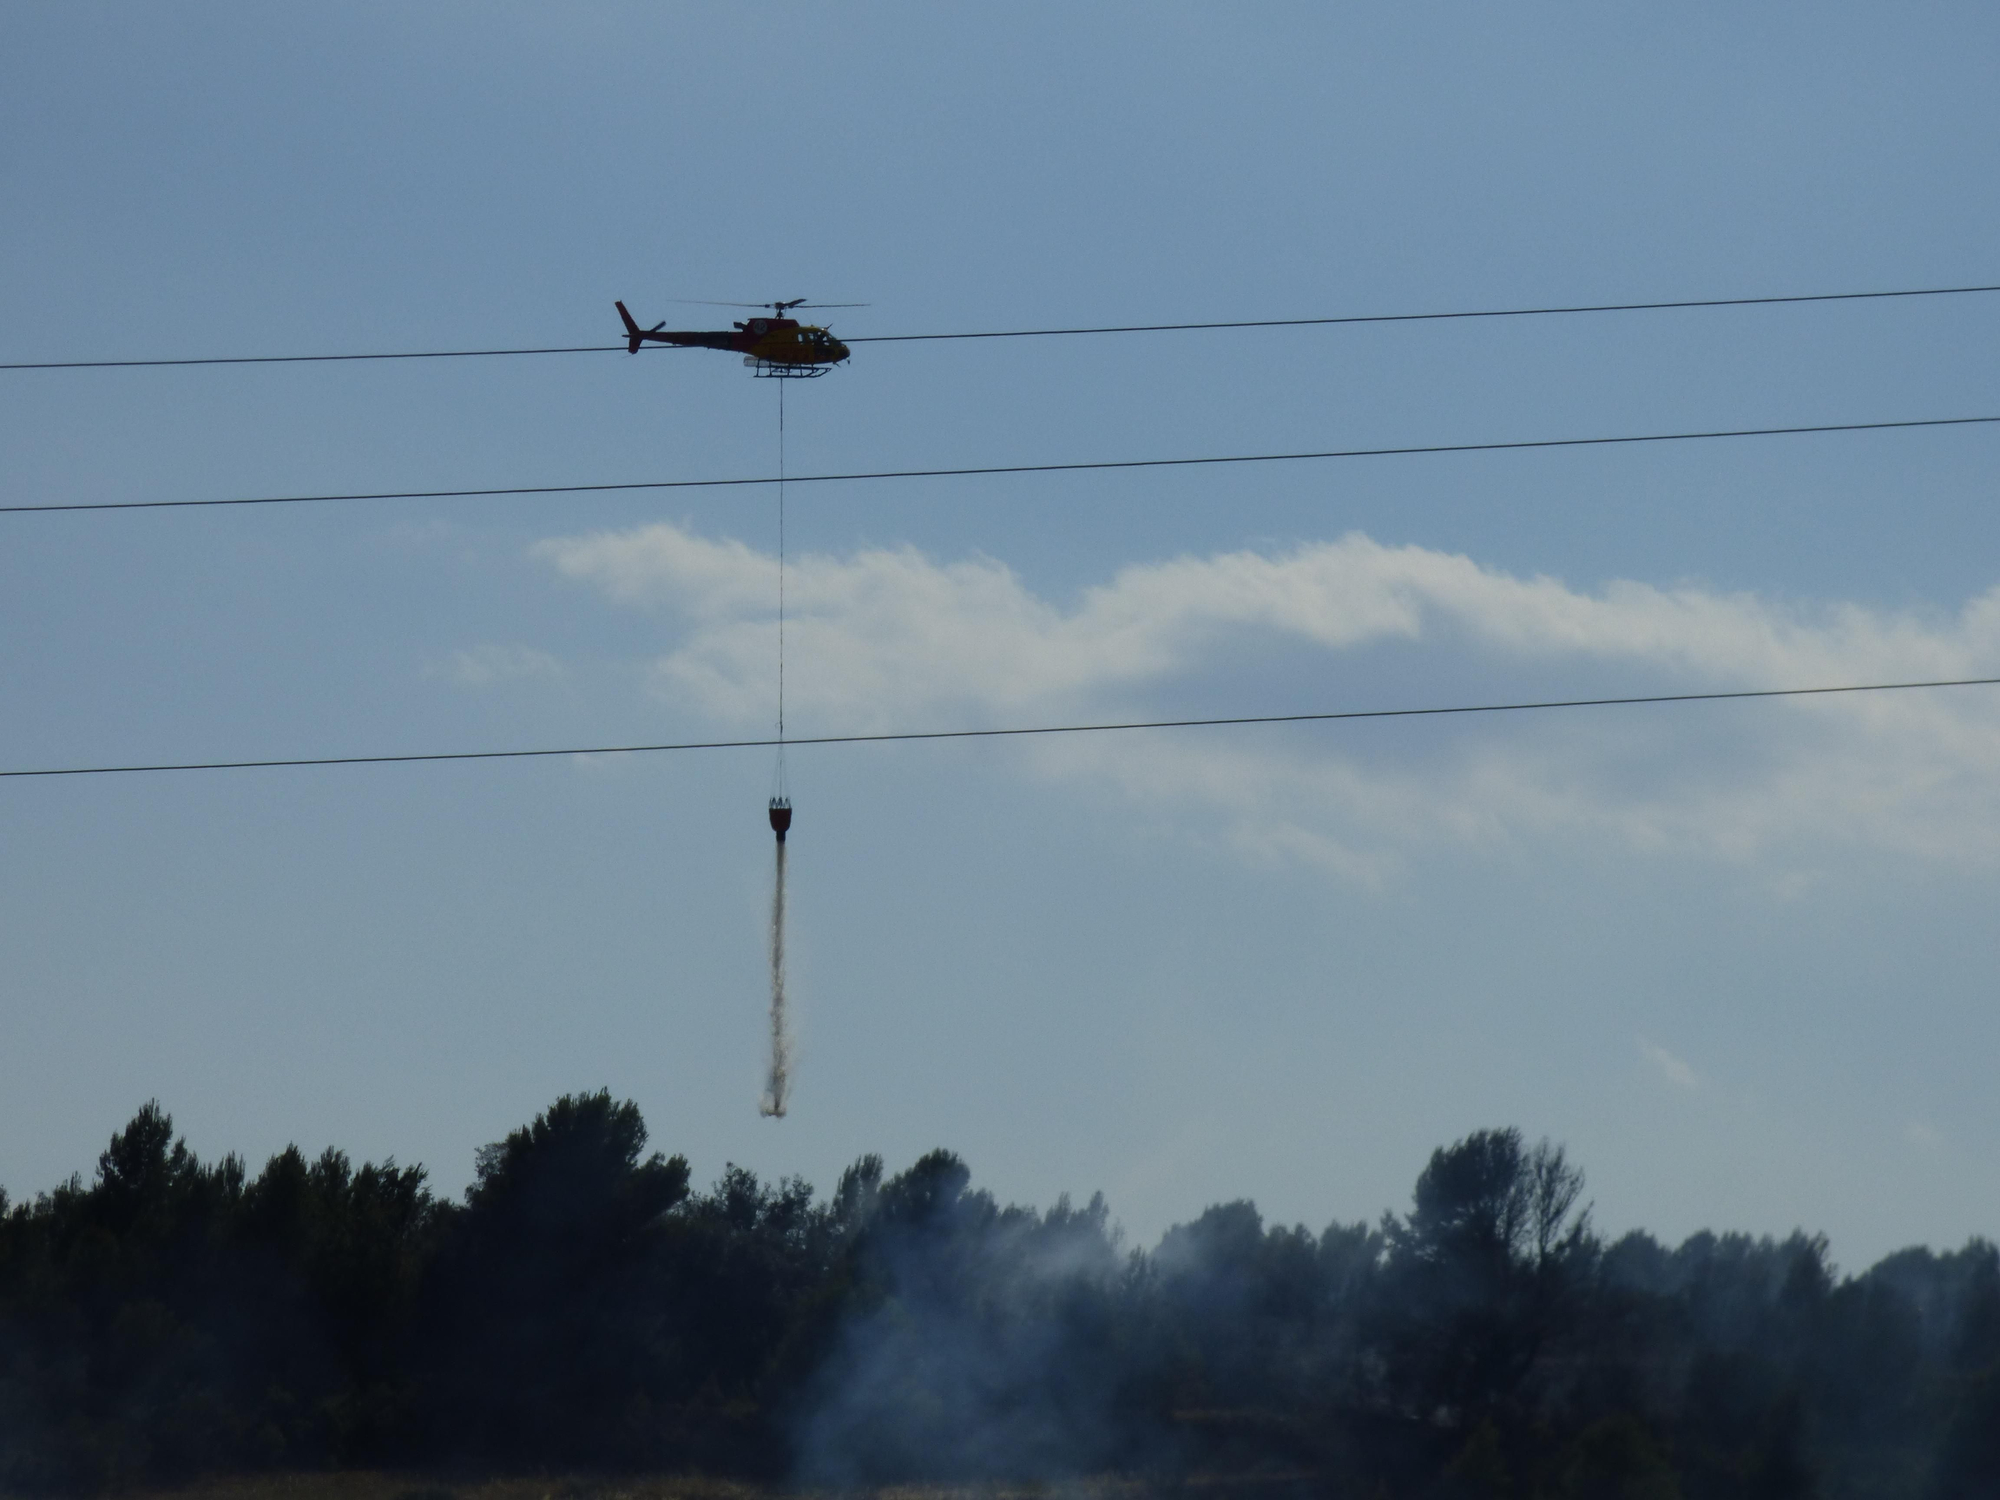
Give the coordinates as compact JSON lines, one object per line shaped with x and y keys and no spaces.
{"x":776,"y":347}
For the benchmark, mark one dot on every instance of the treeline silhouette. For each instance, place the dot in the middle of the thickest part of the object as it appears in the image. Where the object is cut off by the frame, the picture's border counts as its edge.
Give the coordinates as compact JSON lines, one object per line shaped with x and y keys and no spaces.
{"x":585,"y":1309}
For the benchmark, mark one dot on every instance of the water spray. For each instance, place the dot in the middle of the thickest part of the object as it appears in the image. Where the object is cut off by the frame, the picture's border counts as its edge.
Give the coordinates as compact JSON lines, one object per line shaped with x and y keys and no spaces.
{"x":777,"y":1083}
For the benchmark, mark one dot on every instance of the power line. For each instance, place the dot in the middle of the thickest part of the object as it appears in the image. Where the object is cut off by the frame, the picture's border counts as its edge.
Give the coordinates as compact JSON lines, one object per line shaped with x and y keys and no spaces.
{"x":1038,"y":333}
{"x":975,"y":734}
{"x":1067,"y":468}
{"x":1436,"y":317}
{"x":304,"y":359}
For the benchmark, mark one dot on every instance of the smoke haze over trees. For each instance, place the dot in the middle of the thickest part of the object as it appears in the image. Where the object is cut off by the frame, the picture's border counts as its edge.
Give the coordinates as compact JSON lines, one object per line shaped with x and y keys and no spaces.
{"x":586,"y":1307}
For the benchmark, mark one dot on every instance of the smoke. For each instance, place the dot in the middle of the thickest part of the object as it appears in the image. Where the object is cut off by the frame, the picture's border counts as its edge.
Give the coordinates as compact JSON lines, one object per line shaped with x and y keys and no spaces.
{"x":779,"y":1082}
{"x":977,"y":1346}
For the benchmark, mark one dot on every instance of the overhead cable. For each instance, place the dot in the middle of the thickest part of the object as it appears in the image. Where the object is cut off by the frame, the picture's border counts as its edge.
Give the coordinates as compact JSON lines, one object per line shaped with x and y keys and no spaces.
{"x":304,"y":359}
{"x":1038,"y":333}
{"x":1067,"y":468}
{"x":1433,"y":317}
{"x":977,"y":734}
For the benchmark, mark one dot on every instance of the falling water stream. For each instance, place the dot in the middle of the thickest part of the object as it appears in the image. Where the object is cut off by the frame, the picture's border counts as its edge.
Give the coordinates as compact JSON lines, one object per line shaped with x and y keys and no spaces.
{"x":778,"y":1083}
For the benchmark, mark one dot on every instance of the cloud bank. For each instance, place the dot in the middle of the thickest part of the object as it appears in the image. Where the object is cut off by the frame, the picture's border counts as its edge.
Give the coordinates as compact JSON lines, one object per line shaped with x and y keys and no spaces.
{"x":891,"y":639}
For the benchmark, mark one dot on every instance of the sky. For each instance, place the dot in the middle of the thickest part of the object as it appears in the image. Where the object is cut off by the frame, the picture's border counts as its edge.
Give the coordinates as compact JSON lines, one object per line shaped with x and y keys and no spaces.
{"x":1737,"y":957}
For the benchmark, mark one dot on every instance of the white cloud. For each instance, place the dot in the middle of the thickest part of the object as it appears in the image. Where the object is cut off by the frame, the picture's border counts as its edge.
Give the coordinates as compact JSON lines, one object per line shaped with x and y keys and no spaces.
{"x":1671,"y":1068}
{"x":891,"y":639}
{"x":1917,"y":1133}
{"x":479,"y":666}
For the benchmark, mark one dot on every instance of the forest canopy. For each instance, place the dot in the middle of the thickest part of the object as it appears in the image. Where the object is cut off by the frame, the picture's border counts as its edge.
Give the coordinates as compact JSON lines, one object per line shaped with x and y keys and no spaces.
{"x":586,"y":1307}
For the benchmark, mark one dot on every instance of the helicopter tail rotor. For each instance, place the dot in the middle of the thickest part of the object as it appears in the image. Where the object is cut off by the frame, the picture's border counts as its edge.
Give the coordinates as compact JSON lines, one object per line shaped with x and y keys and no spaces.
{"x":634,"y":334}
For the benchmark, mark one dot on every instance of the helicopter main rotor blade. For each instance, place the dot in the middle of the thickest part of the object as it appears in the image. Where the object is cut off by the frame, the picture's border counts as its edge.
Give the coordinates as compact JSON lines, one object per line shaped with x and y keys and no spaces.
{"x":787,"y":303}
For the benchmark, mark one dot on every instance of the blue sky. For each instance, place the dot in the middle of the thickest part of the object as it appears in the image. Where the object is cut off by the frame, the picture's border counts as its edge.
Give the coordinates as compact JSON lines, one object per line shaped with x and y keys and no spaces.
{"x":1738,"y":957}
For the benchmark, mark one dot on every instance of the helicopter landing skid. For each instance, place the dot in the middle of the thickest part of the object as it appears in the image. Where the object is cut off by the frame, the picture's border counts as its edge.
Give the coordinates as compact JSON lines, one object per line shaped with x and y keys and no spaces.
{"x":769,"y":369}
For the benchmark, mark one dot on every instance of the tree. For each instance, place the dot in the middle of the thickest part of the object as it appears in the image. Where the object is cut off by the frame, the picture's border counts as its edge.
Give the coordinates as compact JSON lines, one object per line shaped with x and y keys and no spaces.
{"x":1482,"y":1275}
{"x":545,"y":1335}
